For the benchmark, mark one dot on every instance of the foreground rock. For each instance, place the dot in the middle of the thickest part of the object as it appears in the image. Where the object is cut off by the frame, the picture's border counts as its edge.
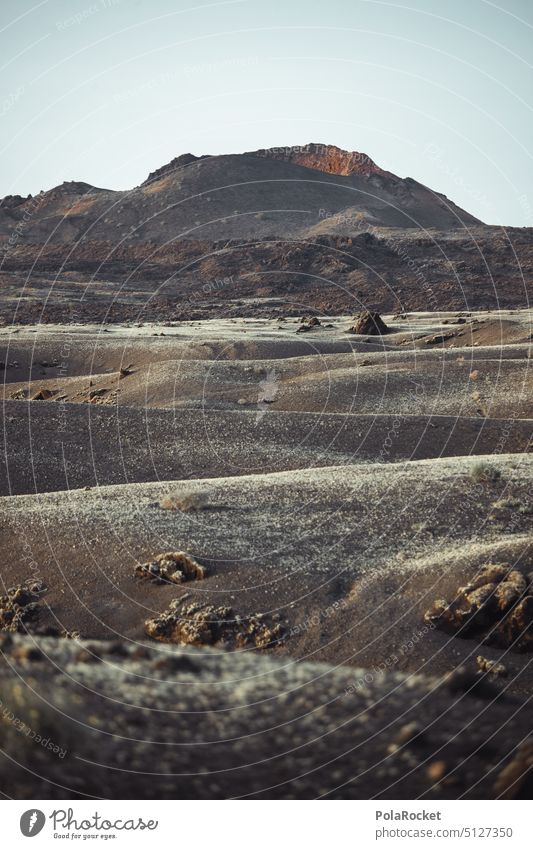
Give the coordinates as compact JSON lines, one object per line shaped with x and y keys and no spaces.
{"x":207,"y":625}
{"x":498,"y":603}
{"x":19,"y":608}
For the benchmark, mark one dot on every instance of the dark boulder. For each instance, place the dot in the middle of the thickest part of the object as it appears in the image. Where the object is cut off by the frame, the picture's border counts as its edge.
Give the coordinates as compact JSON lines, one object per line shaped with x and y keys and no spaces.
{"x":368,"y":323}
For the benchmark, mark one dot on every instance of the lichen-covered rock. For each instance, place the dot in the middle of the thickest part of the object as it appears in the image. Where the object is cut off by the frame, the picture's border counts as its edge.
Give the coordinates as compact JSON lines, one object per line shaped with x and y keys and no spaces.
{"x":42,"y":395}
{"x":206,"y":625}
{"x":498,"y":600}
{"x":172,"y":567}
{"x":491,"y":573}
{"x":507,"y":593}
{"x":516,"y":629}
{"x":491,"y":667}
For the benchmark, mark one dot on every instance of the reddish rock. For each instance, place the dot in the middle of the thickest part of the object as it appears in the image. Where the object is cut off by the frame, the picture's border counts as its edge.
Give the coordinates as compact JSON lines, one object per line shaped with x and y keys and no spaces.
{"x":324,"y":157}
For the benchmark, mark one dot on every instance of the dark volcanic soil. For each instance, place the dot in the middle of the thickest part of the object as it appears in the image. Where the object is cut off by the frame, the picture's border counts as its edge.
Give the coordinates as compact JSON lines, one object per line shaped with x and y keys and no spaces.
{"x":322,"y":492}
{"x":273,"y":730}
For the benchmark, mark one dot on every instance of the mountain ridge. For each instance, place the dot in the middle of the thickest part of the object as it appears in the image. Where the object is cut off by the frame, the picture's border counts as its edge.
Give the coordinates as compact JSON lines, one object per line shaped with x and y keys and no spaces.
{"x":287,"y":191}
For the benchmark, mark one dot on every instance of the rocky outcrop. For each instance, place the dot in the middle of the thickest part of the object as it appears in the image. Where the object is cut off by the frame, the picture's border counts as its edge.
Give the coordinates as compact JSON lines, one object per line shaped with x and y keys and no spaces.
{"x":368,"y":323}
{"x":206,"y":625}
{"x":235,"y":196}
{"x":497,"y":604}
{"x":323,"y":157}
{"x":172,"y":166}
{"x":173,"y":567}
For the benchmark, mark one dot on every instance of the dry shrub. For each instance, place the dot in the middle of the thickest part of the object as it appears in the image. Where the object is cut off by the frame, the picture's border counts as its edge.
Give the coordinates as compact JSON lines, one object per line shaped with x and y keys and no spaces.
{"x":186,"y":502}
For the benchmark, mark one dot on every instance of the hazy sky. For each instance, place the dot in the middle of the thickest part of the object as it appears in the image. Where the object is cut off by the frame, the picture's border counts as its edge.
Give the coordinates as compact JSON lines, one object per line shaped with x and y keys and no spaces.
{"x":106,"y":91}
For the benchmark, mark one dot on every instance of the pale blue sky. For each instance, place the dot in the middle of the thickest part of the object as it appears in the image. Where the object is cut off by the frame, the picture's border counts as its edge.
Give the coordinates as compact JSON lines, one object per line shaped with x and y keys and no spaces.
{"x":106,"y":91}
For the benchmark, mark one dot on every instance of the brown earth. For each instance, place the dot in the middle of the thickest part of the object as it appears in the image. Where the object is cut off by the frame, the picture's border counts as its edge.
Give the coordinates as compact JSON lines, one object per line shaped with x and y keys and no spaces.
{"x":274,"y":730}
{"x":395,"y":270}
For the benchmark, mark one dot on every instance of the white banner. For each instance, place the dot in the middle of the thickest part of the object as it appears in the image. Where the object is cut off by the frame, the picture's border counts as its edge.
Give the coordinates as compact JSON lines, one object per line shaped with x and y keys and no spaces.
{"x":268,"y":824}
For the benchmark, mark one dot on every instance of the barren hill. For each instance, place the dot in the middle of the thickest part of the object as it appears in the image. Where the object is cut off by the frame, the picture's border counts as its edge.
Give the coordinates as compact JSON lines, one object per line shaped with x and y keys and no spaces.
{"x":313,"y":226}
{"x":281,"y":191}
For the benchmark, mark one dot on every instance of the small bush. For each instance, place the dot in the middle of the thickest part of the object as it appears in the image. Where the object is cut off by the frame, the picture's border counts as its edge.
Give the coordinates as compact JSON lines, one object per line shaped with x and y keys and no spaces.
{"x":507,"y":504}
{"x":485,"y":473}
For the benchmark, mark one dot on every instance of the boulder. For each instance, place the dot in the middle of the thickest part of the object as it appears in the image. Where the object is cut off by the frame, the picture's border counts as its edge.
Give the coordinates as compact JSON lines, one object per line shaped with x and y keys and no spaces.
{"x":368,"y":323}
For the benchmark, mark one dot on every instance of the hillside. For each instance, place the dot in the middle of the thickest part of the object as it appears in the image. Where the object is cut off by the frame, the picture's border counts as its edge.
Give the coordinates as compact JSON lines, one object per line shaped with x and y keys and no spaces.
{"x":332,"y":488}
{"x":274,"y":231}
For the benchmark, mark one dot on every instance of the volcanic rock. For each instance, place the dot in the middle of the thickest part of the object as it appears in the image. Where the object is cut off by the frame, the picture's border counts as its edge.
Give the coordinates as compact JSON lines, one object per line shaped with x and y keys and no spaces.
{"x":19,"y":607}
{"x":368,"y":323}
{"x":498,"y":601}
{"x":206,"y":625}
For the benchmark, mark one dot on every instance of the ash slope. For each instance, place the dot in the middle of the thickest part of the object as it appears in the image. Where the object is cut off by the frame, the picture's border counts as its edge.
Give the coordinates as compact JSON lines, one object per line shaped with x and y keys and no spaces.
{"x":221,"y":398}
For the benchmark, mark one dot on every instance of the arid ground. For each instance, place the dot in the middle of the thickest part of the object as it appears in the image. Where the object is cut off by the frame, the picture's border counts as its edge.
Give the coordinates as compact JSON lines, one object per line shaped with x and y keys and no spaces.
{"x":327,"y":501}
